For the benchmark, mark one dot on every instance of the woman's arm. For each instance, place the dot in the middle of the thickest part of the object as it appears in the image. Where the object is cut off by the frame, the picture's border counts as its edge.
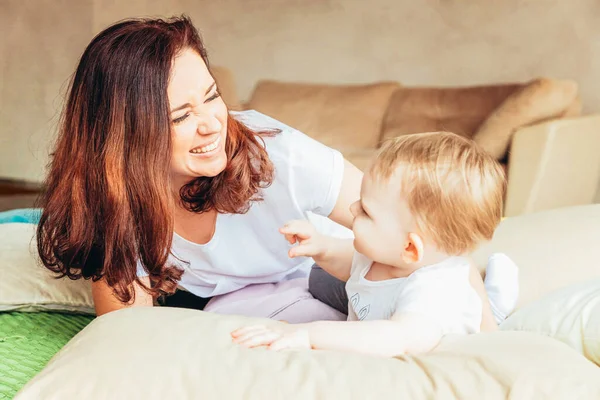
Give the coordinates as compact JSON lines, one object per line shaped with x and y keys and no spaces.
{"x":349,"y":193}
{"x":332,"y":254}
{"x":105,"y":300}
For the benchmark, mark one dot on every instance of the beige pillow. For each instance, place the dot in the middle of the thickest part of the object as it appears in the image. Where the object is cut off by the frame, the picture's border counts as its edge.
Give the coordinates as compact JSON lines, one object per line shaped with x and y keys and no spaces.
{"x":553,"y":249}
{"x":571,"y":315}
{"x":341,"y":116}
{"x":428,"y":109}
{"x":540,"y":100}
{"x":26,"y":285}
{"x":166,"y":353}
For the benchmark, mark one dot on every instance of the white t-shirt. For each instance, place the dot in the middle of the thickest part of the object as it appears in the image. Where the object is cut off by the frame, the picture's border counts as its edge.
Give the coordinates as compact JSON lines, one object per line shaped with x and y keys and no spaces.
{"x":441,"y":292}
{"x":248,"y":248}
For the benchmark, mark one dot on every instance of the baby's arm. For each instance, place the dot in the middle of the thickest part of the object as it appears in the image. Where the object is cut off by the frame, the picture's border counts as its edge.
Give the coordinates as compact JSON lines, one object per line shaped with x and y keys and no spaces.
{"x":332,"y":254}
{"x":404,"y":333}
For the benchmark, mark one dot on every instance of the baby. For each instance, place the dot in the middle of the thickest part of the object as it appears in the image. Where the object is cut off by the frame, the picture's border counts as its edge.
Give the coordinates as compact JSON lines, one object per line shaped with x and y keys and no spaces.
{"x":426,"y":202}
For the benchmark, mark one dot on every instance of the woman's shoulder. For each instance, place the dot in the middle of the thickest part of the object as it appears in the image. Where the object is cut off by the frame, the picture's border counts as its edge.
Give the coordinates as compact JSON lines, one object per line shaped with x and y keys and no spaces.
{"x":286,"y":143}
{"x":258,"y":121}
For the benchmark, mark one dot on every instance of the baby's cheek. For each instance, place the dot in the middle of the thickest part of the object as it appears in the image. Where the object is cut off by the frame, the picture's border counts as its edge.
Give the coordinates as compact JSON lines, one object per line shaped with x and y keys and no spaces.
{"x":361,"y":243}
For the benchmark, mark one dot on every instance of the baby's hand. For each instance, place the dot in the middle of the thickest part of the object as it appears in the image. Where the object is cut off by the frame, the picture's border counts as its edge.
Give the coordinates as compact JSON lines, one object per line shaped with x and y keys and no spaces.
{"x":310,"y":242}
{"x":274,"y":338}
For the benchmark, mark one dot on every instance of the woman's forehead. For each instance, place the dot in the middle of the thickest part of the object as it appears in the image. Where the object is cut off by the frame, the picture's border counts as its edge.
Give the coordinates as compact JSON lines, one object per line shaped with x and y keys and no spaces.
{"x":189,"y":75}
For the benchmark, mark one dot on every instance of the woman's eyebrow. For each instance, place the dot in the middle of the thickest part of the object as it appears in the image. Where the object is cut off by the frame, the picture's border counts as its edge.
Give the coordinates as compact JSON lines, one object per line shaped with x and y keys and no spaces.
{"x":181,"y":107}
{"x":210,"y":88}
{"x":186,"y":105}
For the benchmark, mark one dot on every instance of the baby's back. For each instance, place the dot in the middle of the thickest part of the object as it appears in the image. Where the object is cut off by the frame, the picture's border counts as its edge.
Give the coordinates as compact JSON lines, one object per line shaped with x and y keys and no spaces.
{"x":441,"y":292}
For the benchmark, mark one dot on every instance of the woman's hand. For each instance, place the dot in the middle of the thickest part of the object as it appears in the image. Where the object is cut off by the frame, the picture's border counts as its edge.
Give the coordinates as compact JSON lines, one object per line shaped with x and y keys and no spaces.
{"x":282,"y":338}
{"x":310,"y":242}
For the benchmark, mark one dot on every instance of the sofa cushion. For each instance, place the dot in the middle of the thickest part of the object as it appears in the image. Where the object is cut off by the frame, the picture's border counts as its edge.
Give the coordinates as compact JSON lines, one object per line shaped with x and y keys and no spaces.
{"x":167,"y":353}
{"x":340,"y":116}
{"x":541,"y":99}
{"x":458,"y":110}
{"x":553,"y":249}
{"x":26,"y":285}
{"x":571,"y":315}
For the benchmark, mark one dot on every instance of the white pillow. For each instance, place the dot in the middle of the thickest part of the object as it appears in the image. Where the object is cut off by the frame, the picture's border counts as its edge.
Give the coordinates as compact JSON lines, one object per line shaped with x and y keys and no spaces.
{"x":169,"y":353}
{"x":571,"y":315}
{"x":26,"y":285}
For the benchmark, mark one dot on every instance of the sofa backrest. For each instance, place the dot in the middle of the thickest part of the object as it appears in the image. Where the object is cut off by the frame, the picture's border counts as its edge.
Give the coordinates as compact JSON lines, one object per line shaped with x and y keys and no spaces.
{"x":357,"y":118}
{"x":428,"y":109}
{"x":345,"y":117}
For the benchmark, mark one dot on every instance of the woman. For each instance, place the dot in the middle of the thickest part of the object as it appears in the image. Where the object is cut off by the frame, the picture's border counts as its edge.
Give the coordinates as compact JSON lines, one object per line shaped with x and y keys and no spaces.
{"x":154,"y":185}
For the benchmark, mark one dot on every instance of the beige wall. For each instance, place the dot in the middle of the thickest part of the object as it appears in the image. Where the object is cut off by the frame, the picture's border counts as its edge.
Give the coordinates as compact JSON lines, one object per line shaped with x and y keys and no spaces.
{"x":40,"y":42}
{"x":427,"y":42}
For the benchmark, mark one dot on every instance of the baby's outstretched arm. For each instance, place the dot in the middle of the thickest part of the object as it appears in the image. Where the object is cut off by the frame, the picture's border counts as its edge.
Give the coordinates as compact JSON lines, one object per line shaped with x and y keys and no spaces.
{"x":404,"y":333}
{"x":332,"y":254}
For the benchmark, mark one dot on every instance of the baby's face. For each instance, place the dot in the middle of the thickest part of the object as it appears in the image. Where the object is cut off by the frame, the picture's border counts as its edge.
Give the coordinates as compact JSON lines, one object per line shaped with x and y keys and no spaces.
{"x":382,"y":221}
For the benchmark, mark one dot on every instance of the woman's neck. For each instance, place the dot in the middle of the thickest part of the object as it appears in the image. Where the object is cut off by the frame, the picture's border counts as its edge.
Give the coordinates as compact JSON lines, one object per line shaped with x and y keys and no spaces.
{"x":195,"y":227}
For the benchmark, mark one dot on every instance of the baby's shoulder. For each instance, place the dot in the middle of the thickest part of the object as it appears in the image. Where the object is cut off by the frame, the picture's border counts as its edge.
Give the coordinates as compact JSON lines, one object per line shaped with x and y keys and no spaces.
{"x":449,"y":276}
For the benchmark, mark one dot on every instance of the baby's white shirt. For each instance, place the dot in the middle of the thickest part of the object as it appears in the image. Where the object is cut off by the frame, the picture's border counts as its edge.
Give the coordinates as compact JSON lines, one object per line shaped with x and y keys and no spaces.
{"x":442,"y":292}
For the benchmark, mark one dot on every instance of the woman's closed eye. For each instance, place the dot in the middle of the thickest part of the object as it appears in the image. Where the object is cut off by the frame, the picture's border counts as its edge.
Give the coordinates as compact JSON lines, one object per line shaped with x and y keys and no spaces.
{"x":181,"y":119}
{"x":215,"y":96}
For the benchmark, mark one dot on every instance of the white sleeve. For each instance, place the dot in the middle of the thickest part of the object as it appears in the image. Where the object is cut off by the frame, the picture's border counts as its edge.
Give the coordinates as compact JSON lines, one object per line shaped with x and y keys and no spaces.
{"x":312,"y":171}
{"x":451,"y":302}
{"x":315,"y":172}
{"x":140,"y":271}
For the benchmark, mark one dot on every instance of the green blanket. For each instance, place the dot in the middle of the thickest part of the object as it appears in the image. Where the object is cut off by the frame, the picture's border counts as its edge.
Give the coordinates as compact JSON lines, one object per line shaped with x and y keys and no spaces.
{"x":28,"y":341}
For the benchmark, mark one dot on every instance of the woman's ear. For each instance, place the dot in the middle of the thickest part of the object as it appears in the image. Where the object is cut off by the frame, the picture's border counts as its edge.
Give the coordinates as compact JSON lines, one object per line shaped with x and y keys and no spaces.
{"x":413,"y":249}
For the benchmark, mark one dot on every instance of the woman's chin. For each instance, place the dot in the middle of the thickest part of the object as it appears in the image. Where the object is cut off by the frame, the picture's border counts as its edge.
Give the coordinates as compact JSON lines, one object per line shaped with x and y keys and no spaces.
{"x":211,"y":168}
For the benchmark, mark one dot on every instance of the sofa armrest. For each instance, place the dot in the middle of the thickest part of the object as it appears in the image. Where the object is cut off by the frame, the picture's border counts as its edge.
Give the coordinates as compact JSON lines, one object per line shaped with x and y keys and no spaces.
{"x":553,"y":164}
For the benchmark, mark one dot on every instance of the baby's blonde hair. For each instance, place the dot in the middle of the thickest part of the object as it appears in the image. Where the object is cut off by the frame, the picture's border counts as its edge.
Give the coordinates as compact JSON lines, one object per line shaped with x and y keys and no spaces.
{"x":453,"y":188}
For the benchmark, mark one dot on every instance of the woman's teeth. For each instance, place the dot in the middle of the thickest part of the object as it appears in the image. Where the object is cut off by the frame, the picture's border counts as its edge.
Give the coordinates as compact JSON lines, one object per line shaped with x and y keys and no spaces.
{"x":207,"y":148}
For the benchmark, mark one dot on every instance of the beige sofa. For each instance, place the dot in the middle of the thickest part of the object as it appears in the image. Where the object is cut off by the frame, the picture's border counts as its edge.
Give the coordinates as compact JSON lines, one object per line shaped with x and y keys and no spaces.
{"x":534,"y":128}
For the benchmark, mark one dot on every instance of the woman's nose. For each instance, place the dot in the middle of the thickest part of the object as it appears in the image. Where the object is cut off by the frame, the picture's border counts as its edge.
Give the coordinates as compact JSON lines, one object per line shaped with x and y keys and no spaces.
{"x":209,"y":124}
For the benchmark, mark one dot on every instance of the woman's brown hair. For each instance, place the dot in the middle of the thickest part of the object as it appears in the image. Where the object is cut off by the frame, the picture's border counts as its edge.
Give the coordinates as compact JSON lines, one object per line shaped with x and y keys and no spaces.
{"x":108,"y":202}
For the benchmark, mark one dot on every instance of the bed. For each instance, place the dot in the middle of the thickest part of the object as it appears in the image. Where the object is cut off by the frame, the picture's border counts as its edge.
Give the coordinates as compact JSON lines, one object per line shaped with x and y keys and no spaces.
{"x":28,"y":341}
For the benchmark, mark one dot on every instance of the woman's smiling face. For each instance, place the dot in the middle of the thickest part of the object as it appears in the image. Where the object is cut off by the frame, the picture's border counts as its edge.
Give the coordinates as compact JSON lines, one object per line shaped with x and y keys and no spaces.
{"x":199,"y":120}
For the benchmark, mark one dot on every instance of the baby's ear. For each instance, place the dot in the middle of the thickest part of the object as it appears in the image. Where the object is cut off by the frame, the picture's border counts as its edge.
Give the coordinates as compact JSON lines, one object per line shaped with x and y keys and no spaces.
{"x":413,"y":249}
